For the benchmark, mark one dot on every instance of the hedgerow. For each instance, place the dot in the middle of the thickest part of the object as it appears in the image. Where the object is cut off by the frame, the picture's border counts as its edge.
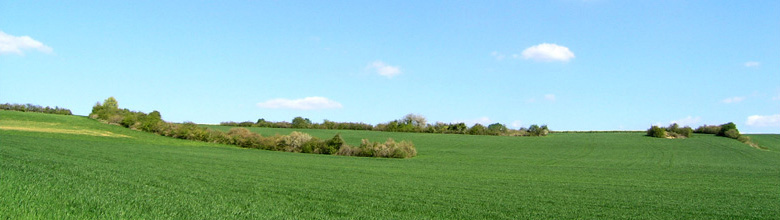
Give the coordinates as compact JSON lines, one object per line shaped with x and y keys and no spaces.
{"x":110,"y":112}
{"x":409,"y":123}
{"x":35,"y":108}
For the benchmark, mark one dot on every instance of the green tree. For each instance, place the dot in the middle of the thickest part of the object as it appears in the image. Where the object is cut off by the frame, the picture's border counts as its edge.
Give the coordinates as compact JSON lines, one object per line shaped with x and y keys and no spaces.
{"x":496,"y":128}
{"x":300,"y":122}
{"x":477,"y":129}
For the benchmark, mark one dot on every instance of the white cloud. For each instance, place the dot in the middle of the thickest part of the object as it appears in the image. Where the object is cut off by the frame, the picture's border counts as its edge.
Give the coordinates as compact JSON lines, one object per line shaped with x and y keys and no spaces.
{"x":516,"y":124}
{"x":482,"y":120}
{"x":549,"y":97}
{"x":763,"y":120}
{"x":548,"y":53}
{"x":497,"y":55}
{"x":383,"y":69}
{"x":308,"y":103}
{"x":13,"y":44}
{"x":735,"y":99}
{"x":752,"y":64}
{"x":687,"y":121}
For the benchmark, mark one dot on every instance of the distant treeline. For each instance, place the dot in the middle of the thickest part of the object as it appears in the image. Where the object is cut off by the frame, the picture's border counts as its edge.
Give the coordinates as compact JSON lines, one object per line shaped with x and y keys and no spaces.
{"x":35,"y":108}
{"x":110,"y":112}
{"x":728,"y":130}
{"x":409,"y":123}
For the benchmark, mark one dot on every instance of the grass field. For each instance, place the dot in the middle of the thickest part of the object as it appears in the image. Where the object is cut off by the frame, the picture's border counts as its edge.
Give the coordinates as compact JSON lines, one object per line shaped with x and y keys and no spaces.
{"x":73,"y":167}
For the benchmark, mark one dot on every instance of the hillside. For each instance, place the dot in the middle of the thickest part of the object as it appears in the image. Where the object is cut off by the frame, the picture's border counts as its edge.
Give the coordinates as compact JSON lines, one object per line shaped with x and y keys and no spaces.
{"x":57,"y":167}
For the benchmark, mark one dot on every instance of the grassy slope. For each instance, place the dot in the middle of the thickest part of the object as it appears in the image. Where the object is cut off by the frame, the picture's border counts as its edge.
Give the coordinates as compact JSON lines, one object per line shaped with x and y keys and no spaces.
{"x":454,"y":176}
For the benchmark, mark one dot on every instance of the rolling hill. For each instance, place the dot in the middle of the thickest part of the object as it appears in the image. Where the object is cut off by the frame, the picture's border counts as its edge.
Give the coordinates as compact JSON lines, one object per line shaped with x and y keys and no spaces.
{"x":60,"y":167}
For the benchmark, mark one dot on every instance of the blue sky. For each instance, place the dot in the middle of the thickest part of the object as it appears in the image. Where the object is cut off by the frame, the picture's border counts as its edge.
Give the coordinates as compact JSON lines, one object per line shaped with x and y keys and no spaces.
{"x":574,"y":65}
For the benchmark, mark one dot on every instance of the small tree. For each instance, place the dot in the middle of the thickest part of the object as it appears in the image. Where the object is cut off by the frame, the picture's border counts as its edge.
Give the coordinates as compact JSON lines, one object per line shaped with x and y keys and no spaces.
{"x":300,"y":122}
{"x":477,"y":129}
{"x":496,"y":129}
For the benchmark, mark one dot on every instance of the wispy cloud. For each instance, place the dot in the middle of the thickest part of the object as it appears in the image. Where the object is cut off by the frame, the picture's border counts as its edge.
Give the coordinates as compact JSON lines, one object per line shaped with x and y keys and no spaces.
{"x":687,"y":121}
{"x":498,"y":55}
{"x":308,"y":103}
{"x":548,"y":53}
{"x":763,"y":120}
{"x":384,"y":69}
{"x":13,"y":44}
{"x":546,"y":97}
{"x":735,"y":99}
{"x":550,"y":97}
{"x":516,"y":124}
{"x":752,"y":64}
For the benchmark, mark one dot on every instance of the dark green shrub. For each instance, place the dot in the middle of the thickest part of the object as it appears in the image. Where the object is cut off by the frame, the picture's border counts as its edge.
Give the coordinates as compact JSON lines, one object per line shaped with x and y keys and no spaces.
{"x":300,"y":122}
{"x":656,"y":131}
{"x":496,"y":129}
{"x":726,"y":127}
{"x":477,"y":129}
{"x":707,"y":129}
{"x":332,"y":145}
{"x":732,"y":133}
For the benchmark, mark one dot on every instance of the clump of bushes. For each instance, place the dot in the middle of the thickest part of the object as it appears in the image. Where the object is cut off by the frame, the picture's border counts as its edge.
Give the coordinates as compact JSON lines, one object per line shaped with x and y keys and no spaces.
{"x":707,"y":129}
{"x":389,"y":148}
{"x":728,"y":130}
{"x":35,"y":108}
{"x":672,"y":131}
{"x":110,"y":112}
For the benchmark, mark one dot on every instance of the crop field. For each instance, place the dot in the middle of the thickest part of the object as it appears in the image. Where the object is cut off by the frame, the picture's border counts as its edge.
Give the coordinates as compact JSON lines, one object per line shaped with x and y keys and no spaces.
{"x":61,"y":167}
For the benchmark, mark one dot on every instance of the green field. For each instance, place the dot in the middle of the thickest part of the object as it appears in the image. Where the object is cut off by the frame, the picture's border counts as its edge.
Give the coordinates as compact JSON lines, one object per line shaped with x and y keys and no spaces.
{"x":55,"y":167}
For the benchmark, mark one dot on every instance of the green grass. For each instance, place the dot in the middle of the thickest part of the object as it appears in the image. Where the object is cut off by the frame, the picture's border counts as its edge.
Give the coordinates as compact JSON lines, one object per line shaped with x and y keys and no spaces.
{"x":572,"y":175}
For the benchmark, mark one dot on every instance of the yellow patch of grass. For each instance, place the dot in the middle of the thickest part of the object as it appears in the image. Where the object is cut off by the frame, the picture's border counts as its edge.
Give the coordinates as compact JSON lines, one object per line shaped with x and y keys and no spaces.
{"x":54,"y":128}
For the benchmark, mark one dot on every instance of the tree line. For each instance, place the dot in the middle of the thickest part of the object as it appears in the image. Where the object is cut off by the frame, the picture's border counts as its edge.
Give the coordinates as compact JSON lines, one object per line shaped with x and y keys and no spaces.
{"x":35,"y":108}
{"x":109,"y":112}
{"x":409,"y":123}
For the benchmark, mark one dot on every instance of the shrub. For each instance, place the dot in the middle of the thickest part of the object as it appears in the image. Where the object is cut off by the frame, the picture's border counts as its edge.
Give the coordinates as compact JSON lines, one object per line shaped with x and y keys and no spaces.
{"x":244,"y":138}
{"x":707,"y":129}
{"x":477,"y":129}
{"x":294,"y":142}
{"x":731,"y":133}
{"x":496,"y":129}
{"x":656,"y":131}
{"x":726,"y":127}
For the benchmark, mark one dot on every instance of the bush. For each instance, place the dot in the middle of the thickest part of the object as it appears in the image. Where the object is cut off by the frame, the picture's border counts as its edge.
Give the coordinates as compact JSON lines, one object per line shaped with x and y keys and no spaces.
{"x":731,"y":133}
{"x":294,"y":142}
{"x":496,"y":129}
{"x":726,"y":127}
{"x":707,"y":129}
{"x":477,"y":129}
{"x":656,"y":131}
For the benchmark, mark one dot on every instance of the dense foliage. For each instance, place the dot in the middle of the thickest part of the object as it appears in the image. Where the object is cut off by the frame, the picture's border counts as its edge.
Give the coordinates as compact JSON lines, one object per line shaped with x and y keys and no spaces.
{"x":409,"y":123}
{"x":673,"y":131}
{"x":35,"y":108}
{"x":110,"y":112}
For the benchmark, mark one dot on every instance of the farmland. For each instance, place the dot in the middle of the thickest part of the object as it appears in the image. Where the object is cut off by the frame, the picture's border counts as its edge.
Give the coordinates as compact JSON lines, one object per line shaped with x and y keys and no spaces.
{"x":55,"y":166}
